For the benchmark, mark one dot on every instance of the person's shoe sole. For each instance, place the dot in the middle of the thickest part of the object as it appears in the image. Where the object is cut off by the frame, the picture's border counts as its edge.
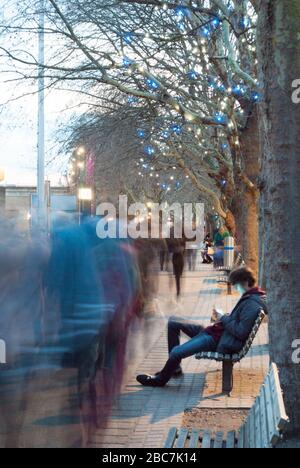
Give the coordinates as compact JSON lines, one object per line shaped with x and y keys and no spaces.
{"x":148,"y":381}
{"x":176,"y":375}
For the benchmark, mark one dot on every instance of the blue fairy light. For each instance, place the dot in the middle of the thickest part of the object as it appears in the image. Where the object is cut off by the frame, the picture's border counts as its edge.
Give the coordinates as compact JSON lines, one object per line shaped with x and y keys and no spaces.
{"x":205,"y":31}
{"x":152,"y":84}
{"x":149,"y":150}
{"x":221,"y":87}
{"x":165,"y":135}
{"x":127,"y":62}
{"x":132,"y":100}
{"x":223,"y":182}
{"x":177,"y":129}
{"x":193,"y":75}
{"x":178,"y":184}
{"x":216,"y":22}
{"x":245,"y":23}
{"x":220,"y":118}
{"x":238,"y":90}
{"x":141,"y":133}
{"x":224,"y":146}
{"x":181,"y":12}
{"x":256,"y":97}
{"x":128,"y":38}
{"x":164,"y":186}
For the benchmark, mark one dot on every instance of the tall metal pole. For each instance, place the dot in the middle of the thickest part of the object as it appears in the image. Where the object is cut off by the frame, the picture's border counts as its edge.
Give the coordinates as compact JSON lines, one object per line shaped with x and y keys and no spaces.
{"x":41,"y":195}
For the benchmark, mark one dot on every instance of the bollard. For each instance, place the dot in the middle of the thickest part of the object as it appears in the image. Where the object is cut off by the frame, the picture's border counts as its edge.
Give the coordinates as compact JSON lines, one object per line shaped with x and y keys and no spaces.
{"x":229,"y":253}
{"x":2,"y":352}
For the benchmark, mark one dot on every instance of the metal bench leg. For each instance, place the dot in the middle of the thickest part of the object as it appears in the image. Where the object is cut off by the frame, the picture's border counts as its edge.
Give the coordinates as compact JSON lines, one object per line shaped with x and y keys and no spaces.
{"x":227,"y":377}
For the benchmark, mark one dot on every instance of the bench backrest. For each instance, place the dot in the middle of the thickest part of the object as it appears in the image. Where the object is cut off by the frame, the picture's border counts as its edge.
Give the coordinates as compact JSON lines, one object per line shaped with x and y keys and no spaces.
{"x":252,"y":335}
{"x":267,"y":418}
{"x":238,"y":261}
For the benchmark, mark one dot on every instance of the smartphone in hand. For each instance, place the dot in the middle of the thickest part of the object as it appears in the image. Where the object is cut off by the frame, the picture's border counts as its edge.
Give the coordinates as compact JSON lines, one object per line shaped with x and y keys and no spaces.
{"x":217,"y":315}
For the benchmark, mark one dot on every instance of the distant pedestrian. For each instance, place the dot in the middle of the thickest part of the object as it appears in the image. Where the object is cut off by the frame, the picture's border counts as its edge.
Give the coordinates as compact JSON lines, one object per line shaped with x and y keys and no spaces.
{"x":207,"y":245}
{"x":219,"y":243}
{"x":178,"y":249}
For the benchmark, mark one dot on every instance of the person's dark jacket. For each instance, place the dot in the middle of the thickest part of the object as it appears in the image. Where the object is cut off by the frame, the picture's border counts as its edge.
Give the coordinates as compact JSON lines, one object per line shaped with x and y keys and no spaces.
{"x":238,"y":325}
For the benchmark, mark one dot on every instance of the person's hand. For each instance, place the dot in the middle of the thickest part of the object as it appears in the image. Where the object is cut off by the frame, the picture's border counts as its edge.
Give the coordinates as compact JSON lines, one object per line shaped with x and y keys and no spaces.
{"x":216,"y":316}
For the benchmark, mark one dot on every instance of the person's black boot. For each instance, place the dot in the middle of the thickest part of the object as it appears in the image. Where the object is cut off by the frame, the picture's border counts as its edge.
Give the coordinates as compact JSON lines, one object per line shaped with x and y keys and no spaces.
{"x":149,"y":381}
{"x":176,"y":374}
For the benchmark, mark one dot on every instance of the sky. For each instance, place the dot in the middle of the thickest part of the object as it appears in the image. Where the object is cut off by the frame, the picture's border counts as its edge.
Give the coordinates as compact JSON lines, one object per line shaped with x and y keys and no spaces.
{"x":18,"y":138}
{"x":18,"y":125}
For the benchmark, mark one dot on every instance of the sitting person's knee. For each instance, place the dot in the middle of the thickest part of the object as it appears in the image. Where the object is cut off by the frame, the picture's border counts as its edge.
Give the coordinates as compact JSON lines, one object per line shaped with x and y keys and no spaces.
{"x":172,"y":324}
{"x":175,"y":354}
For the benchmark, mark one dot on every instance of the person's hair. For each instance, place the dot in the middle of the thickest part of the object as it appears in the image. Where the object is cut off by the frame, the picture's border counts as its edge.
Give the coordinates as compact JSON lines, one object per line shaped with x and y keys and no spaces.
{"x":243,"y":275}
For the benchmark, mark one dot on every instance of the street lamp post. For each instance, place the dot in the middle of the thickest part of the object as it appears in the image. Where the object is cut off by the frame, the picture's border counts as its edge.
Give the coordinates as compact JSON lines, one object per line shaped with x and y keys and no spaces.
{"x":41,"y":193}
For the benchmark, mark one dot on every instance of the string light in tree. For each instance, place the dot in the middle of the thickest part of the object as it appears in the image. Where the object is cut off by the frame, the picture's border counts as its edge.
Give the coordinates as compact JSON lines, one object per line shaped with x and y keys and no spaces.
{"x":132,"y":100}
{"x":165,"y":134}
{"x":238,"y":90}
{"x":193,"y":75}
{"x":141,"y":133}
{"x":149,"y":150}
{"x":127,"y":62}
{"x":128,"y":38}
{"x":220,"y":118}
{"x":255,"y":97}
{"x":152,"y":84}
{"x":177,"y":129}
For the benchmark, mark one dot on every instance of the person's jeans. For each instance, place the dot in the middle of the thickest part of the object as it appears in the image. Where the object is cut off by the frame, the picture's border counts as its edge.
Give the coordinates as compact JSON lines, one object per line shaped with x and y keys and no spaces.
{"x":200,"y":342}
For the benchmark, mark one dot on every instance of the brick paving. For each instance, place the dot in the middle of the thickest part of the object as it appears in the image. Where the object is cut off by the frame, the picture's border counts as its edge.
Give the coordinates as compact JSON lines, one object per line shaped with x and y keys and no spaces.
{"x":142,"y":416}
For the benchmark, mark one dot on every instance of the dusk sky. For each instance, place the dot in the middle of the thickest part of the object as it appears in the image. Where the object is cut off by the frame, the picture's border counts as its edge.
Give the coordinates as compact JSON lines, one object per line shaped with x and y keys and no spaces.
{"x":18,"y":125}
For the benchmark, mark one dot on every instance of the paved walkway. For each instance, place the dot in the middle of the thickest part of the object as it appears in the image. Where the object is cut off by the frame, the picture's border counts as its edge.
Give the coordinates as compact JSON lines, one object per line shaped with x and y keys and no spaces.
{"x":142,"y":416}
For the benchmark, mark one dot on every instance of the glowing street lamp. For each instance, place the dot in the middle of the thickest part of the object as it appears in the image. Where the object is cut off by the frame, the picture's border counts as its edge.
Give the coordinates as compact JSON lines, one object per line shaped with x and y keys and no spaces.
{"x":85,"y":198}
{"x":81,"y":151}
{"x":85,"y":194}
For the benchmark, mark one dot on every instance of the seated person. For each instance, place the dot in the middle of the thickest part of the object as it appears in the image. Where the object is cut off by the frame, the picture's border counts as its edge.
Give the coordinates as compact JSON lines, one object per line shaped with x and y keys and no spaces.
{"x":228,"y":335}
{"x":207,"y":244}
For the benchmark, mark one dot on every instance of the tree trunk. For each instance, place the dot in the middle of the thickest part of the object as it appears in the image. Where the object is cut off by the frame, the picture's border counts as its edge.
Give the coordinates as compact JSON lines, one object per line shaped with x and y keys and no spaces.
{"x":249,"y":229}
{"x":279,"y":57}
{"x":245,"y":203}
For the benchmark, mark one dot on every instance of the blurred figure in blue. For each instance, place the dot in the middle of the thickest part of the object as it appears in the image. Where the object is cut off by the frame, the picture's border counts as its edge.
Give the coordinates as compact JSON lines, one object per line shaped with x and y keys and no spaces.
{"x":92,"y":285}
{"x":22,"y":262}
{"x":67,"y":305}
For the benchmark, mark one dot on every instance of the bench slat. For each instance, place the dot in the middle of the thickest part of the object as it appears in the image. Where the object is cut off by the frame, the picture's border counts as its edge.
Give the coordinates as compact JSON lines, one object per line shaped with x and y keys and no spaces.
{"x":230,"y":441}
{"x":195,"y":437}
{"x":280,"y":415}
{"x":252,"y":428}
{"x":258,"y":424}
{"x":247,"y":434}
{"x":206,"y":441}
{"x":241,"y":439}
{"x":171,"y":438}
{"x":182,"y":438}
{"x":274,"y":435}
{"x":218,"y":440}
{"x":264,"y":419}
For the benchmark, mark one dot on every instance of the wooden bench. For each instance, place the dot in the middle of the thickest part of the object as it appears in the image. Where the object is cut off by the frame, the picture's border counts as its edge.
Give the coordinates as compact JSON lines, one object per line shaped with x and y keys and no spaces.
{"x":263,"y":428}
{"x":229,"y":360}
{"x":239,"y":262}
